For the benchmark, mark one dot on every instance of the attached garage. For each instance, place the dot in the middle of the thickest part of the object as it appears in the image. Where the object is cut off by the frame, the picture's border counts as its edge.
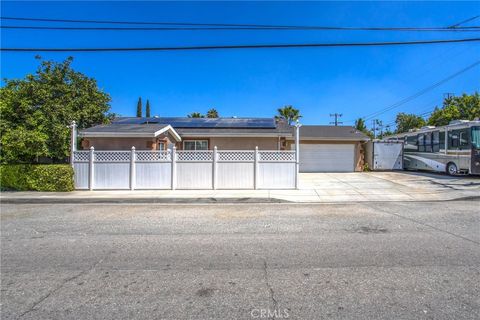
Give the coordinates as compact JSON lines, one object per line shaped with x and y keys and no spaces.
{"x":330,"y":149}
{"x":327,"y":157}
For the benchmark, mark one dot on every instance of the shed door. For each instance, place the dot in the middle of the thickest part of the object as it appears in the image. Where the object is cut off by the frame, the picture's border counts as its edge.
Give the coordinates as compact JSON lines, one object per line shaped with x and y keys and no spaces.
{"x":327,"y":157}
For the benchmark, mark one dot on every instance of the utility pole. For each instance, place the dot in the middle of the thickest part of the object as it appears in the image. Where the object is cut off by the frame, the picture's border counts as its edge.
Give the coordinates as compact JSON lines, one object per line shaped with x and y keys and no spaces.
{"x":374,"y":121}
{"x":336,"y":115}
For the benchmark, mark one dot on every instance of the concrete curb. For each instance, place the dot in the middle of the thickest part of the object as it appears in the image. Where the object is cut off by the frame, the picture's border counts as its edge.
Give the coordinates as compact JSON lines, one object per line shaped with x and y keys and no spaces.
{"x":205,"y":200}
{"x":208,"y":200}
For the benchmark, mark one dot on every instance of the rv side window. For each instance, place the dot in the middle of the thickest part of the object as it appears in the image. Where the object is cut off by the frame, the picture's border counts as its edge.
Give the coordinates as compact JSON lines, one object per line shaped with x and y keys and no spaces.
{"x":453,"y":140}
{"x":442,"y":140}
{"x":464,"y":139}
{"x":411,"y":143}
{"x":428,"y":142}
{"x":436,"y":141}
{"x":421,"y":142}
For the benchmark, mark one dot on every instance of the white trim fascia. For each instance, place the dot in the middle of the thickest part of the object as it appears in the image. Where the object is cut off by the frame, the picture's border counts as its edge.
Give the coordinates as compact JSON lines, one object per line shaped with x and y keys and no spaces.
{"x":172,"y":131}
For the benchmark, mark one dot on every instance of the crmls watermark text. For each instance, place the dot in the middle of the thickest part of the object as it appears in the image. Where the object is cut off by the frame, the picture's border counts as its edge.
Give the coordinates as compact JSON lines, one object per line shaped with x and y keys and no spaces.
{"x":267,"y":313}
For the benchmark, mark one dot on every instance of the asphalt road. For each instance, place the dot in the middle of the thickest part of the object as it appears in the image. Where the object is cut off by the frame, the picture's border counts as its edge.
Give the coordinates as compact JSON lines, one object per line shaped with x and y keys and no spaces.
{"x":250,"y":261}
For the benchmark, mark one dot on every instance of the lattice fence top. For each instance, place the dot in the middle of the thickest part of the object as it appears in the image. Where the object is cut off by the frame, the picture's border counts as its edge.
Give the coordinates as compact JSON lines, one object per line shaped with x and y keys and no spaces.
{"x":277,"y":155}
{"x":236,"y":156}
{"x":81,"y":156}
{"x":194,"y":155}
{"x":152,"y":156}
{"x":112,"y":156}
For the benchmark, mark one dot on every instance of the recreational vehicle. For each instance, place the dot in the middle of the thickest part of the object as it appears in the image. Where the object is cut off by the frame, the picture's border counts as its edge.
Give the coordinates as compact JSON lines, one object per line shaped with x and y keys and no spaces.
{"x":453,"y":149}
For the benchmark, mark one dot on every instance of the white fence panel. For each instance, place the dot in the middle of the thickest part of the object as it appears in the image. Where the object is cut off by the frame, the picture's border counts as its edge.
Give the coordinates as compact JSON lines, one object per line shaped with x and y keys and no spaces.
{"x":235,"y":175}
{"x":81,"y":175}
{"x":276,"y":170}
{"x":273,"y":175}
{"x":153,"y":170}
{"x":235,"y":170}
{"x":111,"y":175}
{"x":153,"y":175}
{"x":80,"y":169}
{"x":194,"y":175}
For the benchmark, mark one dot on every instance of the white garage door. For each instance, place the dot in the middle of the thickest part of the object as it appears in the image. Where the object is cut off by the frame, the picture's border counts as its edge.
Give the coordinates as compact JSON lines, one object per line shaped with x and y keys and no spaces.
{"x":327,"y":157}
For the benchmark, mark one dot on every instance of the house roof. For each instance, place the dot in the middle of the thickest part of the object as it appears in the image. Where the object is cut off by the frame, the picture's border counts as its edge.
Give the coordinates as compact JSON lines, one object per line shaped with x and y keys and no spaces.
{"x":344,"y":133}
{"x":191,"y":127}
{"x":129,"y":130}
{"x":184,"y":122}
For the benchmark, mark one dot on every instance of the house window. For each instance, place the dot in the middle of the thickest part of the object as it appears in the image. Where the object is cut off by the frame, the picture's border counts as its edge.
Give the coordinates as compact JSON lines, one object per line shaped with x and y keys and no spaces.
{"x":161,"y":146}
{"x":195,"y":145}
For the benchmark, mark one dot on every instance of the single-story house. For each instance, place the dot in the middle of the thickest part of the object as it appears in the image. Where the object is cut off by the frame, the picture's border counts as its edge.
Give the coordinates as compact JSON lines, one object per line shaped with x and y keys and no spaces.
{"x":188,"y":134}
{"x":322,"y":148}
{"x":330,"y":148}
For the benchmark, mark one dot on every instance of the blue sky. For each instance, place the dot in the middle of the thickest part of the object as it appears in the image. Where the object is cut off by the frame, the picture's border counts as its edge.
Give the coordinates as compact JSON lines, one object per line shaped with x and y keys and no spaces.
{"x":318,"y":81}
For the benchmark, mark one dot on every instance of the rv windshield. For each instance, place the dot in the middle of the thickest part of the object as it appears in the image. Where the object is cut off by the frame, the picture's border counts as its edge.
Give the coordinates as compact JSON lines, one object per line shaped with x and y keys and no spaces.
{"x":476,"y":137}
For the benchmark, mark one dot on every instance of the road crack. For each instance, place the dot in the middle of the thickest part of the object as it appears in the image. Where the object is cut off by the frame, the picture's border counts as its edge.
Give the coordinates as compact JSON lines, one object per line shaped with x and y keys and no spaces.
{"x":60,"y":286}
{"x":269,"y":288}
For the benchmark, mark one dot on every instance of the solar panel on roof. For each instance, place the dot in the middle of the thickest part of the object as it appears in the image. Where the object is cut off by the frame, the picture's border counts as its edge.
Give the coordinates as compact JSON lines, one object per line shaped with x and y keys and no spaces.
{"x":203,"y":122}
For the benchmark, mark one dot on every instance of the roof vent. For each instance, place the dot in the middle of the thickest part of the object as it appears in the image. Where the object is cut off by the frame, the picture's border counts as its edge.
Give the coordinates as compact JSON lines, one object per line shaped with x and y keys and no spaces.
{"x":427,"y":127}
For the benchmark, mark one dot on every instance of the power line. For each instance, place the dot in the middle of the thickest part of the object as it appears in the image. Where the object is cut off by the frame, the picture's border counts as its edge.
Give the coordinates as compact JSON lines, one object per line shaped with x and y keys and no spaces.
{"x":250,"y":26}
{"x":463,"y":22}
{"x":213,"y":28}
{"x":254,"y":46}
{"x":421,"y":92}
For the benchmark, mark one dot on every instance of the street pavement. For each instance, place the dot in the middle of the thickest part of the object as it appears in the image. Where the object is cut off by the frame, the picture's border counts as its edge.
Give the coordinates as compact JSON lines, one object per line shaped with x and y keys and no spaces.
{"x":369,"y":260}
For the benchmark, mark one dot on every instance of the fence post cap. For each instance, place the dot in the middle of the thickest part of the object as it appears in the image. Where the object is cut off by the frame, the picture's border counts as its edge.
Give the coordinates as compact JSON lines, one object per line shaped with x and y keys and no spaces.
{"x":256,"y":148}
{"x":92,"y":148}
{"x":74,"y":123}
{"x":215,"y":148}
{"x":133,"y":147}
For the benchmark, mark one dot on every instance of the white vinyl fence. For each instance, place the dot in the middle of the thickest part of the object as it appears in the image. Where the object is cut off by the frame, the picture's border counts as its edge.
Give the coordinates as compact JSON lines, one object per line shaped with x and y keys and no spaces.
{"x":171,"y":169}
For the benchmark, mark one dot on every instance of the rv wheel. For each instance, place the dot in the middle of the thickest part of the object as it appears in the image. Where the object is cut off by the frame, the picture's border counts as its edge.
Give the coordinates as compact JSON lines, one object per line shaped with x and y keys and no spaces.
{"x":452,"y":169}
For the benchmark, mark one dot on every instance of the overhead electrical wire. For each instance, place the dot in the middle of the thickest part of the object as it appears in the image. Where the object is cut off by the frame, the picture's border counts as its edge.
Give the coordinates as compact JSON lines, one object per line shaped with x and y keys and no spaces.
{"x":465,"y":29}
{"x":421,"y":92}
{"x":215,"y":26}
{"x":253,"y":46}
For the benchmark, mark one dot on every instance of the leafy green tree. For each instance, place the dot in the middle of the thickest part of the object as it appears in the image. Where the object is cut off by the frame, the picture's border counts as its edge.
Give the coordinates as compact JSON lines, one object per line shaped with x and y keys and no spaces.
{"x":288,"y":114}
{"x":139,"y":107}
{"x":36,"y":112}
{"x":212,"y":113}
{"x":405,"y":122}
{"x":196,"y":115}
{"x":464,"y":107}
{"x":360,"y":126}
{"x":147,"y":109}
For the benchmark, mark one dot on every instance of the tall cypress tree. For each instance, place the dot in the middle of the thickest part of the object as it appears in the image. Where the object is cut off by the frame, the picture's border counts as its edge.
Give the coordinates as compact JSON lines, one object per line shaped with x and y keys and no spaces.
{"x":139,"y":107}
{"x":147,"y":109}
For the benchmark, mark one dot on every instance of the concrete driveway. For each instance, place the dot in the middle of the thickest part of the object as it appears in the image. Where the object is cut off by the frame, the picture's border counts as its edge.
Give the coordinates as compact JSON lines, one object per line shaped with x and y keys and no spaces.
{"x":383,"y":186}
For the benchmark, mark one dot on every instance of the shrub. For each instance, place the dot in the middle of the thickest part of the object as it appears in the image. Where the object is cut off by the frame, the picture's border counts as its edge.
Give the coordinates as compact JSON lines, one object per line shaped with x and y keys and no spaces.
{"x":36,"y":177}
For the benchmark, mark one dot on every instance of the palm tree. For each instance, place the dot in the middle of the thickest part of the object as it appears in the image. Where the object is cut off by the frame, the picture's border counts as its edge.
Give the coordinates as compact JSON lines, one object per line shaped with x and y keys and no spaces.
{"x":212,"y":113}
{"x":196,"y":115}
{"x":288,"y":114}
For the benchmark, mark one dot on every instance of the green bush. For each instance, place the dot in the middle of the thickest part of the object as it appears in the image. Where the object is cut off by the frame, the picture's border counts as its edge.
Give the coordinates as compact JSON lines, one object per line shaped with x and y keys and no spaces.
{"x":36,"y":177}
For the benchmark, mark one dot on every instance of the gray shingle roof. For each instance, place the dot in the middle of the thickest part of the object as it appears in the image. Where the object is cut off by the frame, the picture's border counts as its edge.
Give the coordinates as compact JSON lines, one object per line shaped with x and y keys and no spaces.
{"x":331,"y":133}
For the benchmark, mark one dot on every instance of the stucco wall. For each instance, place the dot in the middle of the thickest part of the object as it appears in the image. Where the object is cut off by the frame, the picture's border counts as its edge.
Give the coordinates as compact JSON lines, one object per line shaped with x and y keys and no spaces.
{"x":122,"y":143}
{"x":247,"y":143}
